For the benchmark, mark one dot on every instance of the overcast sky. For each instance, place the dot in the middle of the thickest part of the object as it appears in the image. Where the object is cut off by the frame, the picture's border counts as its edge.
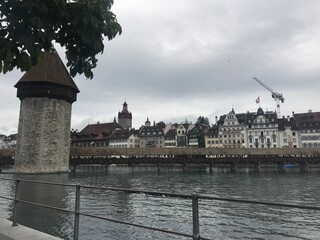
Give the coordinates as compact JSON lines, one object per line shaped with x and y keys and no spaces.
{"x":179,"y":59}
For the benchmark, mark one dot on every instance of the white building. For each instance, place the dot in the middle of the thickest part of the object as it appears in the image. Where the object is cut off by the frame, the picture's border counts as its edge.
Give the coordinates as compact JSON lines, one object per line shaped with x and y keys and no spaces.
{"x":233,"y":130}
{"x":262,"y":129}
{"x":124,"y":138}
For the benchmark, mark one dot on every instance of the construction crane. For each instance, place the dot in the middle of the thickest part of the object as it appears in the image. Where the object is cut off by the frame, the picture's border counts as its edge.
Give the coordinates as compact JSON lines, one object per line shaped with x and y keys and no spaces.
{"x":275,"y":95}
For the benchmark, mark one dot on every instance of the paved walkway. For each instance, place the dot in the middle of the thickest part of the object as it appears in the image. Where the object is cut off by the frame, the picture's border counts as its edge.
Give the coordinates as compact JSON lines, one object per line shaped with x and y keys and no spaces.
{"x":7,"y":232}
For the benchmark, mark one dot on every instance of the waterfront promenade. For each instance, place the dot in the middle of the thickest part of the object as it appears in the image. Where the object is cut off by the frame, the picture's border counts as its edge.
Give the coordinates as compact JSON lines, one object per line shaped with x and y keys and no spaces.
{"x":20,"y":232}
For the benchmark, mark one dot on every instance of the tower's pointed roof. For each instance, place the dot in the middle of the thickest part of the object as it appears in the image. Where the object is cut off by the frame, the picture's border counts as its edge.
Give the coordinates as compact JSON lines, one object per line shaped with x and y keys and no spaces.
{"x":49,"y":69}
{"x":125,"y":113}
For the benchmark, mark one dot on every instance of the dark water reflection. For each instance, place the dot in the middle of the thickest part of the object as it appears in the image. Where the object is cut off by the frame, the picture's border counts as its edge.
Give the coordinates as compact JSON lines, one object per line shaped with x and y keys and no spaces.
{"x":218,"y":220}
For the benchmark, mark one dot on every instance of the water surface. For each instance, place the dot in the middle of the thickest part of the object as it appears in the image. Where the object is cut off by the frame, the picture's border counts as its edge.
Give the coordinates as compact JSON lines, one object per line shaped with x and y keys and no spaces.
{"x":218,"y":220}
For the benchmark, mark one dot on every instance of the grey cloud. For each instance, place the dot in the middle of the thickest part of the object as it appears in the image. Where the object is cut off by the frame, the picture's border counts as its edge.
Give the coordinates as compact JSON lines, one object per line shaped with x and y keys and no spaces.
{"x":182,"y":59}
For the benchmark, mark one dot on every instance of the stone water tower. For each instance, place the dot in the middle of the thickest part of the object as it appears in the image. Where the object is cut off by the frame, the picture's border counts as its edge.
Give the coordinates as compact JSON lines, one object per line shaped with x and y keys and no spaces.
{"x":46,"y":92}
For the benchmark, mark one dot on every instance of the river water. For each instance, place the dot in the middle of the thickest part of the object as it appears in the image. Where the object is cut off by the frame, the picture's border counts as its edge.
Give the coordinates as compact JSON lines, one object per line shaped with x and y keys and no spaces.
{"x":218,"y":220}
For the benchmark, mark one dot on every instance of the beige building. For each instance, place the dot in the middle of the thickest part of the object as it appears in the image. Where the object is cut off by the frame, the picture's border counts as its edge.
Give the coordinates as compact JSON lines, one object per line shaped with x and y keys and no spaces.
{"x":233,"y":130}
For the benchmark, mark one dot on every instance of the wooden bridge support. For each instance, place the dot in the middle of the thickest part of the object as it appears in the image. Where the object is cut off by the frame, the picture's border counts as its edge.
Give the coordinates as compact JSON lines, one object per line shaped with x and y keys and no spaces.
{"x":73,"y":168}
{"x":211,"y":167}
{"x":233,"y":167}
{"x":281,"y":168}
{"x":304,"y":167}
{"x":184,"y":167}
{"x":256,"y":167}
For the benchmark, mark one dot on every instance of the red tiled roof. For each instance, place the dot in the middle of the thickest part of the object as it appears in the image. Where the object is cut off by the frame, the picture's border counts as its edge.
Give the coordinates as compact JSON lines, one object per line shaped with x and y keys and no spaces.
{"x":100,"y":128}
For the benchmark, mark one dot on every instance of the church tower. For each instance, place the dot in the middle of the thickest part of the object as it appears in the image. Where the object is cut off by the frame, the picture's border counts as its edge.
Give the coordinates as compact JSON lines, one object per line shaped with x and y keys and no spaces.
{"x":46,"y":92}
{"x":124,"y":117}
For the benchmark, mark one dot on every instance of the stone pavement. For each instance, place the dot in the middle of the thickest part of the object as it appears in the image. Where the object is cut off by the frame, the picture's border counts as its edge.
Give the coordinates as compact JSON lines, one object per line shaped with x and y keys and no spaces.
{"x":20,"y":232}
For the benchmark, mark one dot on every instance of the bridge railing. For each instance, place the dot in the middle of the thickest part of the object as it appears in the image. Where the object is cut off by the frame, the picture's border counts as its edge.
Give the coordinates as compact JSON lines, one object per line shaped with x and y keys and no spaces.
{"x":194,"y":198}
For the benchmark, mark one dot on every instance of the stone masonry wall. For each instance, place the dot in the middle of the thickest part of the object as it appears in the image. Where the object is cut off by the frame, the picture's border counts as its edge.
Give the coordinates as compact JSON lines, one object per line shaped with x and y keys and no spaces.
{"x":125,"y":122}
{"x":43,"y":142}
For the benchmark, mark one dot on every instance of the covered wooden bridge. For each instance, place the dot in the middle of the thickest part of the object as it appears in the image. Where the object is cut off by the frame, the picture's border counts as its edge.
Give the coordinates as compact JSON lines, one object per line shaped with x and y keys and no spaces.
{"x":184,"y":156}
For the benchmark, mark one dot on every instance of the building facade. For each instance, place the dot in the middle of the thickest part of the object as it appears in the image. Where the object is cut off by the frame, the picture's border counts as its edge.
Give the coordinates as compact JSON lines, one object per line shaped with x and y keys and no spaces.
{"x":124,"y":138}
{"x":152,"y":136}
{"x":212,"y":138}
{"x":289,"y":134}
{"x":309,"y":125}
{"x":232,"y":130}
{"x":94,"y":135}
{"x":262,"y":129}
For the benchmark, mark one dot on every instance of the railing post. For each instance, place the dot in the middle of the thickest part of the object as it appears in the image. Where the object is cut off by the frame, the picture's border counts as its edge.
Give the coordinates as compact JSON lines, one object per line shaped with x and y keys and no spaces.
{"x":76,"y":214}
{"x":16,"y":203}
{"x":195,"y":217}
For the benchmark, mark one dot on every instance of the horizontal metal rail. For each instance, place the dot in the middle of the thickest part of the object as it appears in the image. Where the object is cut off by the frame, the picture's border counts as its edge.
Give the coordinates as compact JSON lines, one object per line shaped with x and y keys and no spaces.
{"x":137,"y":225}
{"x":194,"y":198}
{"x":176,"y":195}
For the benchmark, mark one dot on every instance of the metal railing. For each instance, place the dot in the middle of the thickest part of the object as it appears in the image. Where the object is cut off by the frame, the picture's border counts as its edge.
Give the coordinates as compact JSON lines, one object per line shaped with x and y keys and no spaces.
{"x":77,"y":213}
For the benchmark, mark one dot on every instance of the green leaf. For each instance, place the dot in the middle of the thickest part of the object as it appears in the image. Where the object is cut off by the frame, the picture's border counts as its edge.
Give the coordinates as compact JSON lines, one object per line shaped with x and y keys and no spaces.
{"x":80,"y":26}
